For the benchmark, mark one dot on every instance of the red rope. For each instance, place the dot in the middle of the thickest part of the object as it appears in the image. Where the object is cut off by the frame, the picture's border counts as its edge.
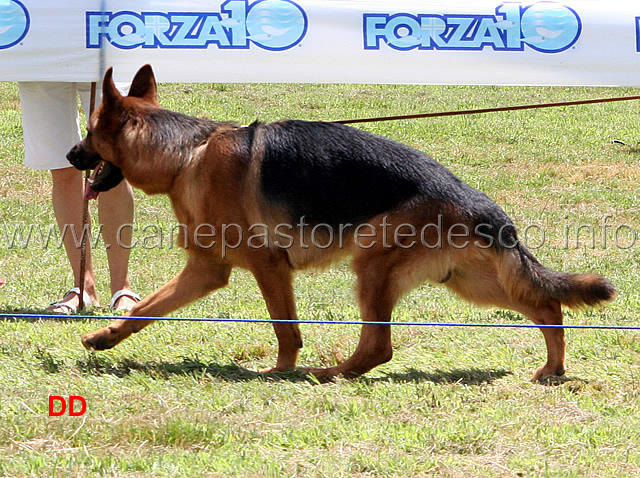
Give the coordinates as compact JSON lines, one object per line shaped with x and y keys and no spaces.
{"x":487,"y":110}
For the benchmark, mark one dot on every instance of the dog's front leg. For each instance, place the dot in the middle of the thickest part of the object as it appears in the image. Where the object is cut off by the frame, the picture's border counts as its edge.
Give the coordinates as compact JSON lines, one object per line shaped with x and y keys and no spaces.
{"x":274,"y":277}
{"x":198,"y":278}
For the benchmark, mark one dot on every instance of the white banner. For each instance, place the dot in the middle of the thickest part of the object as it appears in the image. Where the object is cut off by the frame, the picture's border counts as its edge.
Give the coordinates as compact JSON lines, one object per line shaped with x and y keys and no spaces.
{"x":573,"y":43}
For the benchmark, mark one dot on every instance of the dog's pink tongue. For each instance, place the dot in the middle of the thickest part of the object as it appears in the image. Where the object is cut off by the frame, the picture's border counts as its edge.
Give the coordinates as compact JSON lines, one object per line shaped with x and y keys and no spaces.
{"x":89,"y":193}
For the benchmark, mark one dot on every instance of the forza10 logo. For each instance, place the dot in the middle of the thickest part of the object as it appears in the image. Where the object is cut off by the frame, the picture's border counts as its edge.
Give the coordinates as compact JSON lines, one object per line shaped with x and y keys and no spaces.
{"x":547,"y":27}
{"x":269,"y":24}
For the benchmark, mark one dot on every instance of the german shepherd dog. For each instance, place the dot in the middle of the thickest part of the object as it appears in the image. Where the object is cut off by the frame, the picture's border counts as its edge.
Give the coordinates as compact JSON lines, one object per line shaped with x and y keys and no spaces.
{"x":402,"y":217}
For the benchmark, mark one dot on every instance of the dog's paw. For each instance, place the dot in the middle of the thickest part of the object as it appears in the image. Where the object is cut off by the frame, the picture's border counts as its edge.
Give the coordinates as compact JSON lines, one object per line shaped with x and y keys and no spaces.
{"x":96,"y":341}
{"x":546,"y":373}
{"x":322,"y":375}
{"x":104,"y":339}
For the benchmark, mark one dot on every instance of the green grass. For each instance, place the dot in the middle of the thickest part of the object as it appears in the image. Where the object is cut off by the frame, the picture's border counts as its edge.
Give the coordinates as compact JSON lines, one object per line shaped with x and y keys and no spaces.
{"x":183,"y":399}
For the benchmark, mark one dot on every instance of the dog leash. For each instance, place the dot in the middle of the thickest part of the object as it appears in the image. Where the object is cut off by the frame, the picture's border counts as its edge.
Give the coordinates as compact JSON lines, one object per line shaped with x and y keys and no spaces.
{"x":85,"y":213}
{"x":487,"y":110}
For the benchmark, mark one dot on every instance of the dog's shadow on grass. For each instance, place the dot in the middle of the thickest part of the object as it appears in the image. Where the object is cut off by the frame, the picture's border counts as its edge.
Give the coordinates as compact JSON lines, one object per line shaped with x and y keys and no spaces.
{"x":94,"y":365}
{"x":471,"y":376}
{"x":474,"y":376}
{"x":231,"y":372}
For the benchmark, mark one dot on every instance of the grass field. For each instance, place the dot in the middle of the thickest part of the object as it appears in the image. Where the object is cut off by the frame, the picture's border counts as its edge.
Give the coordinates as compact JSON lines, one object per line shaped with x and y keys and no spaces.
{"x":183,"y":399}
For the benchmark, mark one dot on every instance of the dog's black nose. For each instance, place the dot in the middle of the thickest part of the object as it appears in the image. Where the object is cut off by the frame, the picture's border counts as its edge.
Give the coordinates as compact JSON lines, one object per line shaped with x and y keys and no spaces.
{"x":72,"y":154}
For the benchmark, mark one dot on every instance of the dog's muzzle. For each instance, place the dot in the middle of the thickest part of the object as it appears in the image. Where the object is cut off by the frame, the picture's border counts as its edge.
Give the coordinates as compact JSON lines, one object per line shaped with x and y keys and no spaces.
{"x":105,"y":176}
{"x":83,"y":159}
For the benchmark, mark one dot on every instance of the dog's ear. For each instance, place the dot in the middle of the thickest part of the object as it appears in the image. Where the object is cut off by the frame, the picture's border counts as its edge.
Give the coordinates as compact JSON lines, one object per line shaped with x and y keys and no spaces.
{"x":144,"y":85}
{"x":110,"y":94}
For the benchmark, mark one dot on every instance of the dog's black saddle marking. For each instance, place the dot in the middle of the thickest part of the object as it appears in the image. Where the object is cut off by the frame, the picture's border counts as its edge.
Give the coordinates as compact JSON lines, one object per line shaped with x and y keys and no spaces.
{"x":335,"y":174}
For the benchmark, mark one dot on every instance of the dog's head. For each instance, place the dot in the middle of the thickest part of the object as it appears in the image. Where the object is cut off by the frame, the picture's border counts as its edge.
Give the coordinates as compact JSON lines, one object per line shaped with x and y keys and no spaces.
{"x":104,"y":149}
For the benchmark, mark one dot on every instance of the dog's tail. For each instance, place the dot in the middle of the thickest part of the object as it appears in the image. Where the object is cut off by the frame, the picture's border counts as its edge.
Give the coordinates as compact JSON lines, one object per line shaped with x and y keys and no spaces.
{"x":541,"y":284}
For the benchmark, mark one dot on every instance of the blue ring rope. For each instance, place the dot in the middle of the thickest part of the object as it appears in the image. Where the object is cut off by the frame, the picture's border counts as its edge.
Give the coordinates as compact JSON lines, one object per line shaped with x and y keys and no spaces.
{"x":323,"y":322}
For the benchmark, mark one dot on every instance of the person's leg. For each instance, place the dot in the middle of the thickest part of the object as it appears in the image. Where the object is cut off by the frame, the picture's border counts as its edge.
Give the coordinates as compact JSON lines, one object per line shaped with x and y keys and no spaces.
{"x":115,"y":208}
{"x":67,"y":196}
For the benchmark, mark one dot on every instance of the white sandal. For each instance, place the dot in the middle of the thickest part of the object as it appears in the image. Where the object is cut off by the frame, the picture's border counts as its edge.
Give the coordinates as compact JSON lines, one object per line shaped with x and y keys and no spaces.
{"x":70,"y":308}
{"x":123,"y":293}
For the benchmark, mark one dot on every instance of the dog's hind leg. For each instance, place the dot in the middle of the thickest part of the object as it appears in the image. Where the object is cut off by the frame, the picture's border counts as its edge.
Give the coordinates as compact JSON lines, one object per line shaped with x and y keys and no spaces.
{"x":199,"y":277}
{"x":548,"y":314}
{"x":275,"y":281}
{"x":378,"y":291}
{"x":482,"y":282}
